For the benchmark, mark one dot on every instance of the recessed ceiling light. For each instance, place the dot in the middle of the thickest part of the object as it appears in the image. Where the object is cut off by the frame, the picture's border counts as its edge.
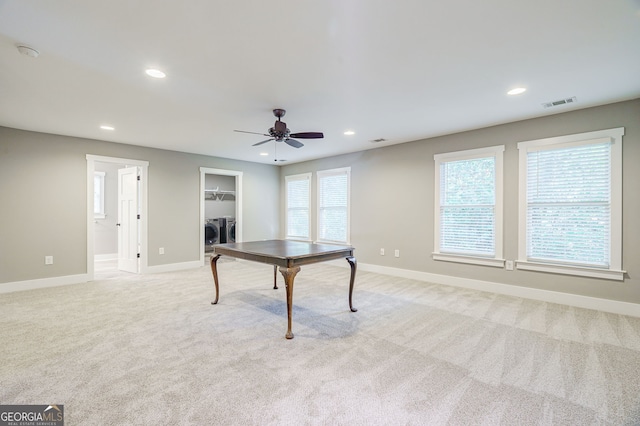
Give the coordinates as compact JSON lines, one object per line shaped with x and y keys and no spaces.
{"x":349,"y":132}
{"x":264,"y":154}
{"x":151,"y":72}
{"x":516,"y":91}
{"x":107,"y":127}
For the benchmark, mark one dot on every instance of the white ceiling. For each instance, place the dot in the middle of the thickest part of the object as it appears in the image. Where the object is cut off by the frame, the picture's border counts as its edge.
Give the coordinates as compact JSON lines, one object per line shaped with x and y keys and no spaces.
{"x":401,"y":70}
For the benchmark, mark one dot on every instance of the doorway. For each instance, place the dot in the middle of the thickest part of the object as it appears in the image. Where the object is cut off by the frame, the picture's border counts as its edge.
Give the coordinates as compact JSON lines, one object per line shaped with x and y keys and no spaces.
{"x":221,"y":205}
{"x":117,"y":235}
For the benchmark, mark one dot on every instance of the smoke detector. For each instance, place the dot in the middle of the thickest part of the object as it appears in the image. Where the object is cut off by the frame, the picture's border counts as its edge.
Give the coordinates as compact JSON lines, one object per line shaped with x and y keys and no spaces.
{"x":28,"y":51}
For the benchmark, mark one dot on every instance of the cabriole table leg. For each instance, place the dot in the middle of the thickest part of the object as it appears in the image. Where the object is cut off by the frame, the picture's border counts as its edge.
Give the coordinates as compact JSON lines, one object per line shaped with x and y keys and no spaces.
{"x":353,"y":263}
{"x":214,"y":271}
{"x":275,"y":277}
{"x":289,"y":274}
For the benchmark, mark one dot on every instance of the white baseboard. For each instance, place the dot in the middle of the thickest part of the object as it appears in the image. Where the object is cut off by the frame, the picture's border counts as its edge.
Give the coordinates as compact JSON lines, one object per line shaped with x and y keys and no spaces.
{"x":578,"y":301}
{"x":82,"y":278}
{"x":43,"y":283}
{"x":172,"y":267}
{"x":606,"y":305}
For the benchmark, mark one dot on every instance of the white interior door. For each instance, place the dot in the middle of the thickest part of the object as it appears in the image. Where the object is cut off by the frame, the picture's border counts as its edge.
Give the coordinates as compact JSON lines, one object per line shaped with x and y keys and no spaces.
{"x":128,"y":219}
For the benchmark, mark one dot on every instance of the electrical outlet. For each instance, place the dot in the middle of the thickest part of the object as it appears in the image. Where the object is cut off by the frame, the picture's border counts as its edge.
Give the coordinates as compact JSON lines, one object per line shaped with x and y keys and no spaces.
{"x":397,"y":253}
{"x":161,"y":250}
{"x":48,"y":260}
{"x":509,"y":265}
{"x":381,"y":252}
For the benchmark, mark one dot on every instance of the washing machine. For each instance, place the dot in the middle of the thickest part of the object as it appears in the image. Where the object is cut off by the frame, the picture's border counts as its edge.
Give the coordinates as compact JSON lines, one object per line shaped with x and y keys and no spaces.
{"x":211,"y":233}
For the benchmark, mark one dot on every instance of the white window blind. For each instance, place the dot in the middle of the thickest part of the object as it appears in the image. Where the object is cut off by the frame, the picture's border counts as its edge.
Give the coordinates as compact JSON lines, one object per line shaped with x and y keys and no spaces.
{"x":468,"y":222}
{"x":467,"y":206}
{"x":298,"y":199}
{"x":569,"y":205}
{"x":333,"y":205}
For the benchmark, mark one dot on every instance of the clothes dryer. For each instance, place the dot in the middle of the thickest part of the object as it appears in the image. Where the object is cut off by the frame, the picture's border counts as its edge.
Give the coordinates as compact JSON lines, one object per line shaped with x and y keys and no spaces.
{"x":231,"y":230}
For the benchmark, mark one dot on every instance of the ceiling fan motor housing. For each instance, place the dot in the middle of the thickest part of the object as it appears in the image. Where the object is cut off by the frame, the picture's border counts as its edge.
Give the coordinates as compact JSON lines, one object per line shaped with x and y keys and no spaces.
{"x":279,"y":131}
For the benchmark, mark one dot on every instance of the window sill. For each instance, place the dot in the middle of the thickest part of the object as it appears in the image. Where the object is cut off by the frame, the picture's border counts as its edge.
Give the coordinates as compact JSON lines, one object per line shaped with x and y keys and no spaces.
{"x":607,"y":274}
{"x":331,"y":242}
{"x":301,"y":239}
{"x":483,"y":261}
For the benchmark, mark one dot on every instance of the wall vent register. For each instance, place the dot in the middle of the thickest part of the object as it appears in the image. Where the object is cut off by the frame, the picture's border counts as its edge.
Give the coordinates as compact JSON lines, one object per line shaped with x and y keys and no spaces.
{"x":560,"y":102}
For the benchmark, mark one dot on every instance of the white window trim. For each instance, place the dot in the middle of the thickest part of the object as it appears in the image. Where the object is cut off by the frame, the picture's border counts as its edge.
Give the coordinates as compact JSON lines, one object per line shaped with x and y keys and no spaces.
{"x":492,"y":151}
{"x":484,"y":261}
{"x":303,"y":176}
{"x":319,"y":175}
{"x":101,"y":214}
{"x":615,"y":271}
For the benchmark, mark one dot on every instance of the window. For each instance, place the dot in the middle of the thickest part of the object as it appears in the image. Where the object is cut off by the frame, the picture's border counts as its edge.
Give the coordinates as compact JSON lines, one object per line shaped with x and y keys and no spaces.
{"x":298,"y":188}
{"x":571,"y":204}
{"x":98,"y":195}
{"x":333,"y":205}
{"x":468,"y":206}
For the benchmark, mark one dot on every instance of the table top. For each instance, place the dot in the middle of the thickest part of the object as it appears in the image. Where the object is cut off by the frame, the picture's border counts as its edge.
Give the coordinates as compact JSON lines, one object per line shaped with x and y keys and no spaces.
{"x":284,"y":252}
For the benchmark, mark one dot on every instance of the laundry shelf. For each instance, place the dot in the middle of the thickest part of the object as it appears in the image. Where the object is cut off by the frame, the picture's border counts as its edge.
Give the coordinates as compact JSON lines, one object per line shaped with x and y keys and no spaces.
{"x":217,"y":194}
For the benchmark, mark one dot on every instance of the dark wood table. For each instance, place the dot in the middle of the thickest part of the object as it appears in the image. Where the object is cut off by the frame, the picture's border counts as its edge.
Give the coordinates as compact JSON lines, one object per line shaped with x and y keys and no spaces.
{"x":289,"y":256}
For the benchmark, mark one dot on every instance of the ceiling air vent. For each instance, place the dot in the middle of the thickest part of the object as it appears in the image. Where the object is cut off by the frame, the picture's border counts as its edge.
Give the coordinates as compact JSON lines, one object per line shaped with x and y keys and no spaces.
{"x":378,"y":140}
{"x":560,"y":102}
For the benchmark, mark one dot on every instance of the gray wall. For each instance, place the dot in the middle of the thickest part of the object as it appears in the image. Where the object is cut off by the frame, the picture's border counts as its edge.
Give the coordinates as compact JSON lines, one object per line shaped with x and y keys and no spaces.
{"x":43,"y":207}
{"x":43,"y":201}
{"x":392,"y":203}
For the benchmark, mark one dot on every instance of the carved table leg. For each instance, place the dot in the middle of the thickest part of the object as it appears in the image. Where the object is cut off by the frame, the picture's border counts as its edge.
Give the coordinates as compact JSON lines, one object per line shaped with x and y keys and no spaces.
{"x":289,"y":274}
{"x":275,"y":277}
{"x":353,"y":263}
{"x":214,"y":271}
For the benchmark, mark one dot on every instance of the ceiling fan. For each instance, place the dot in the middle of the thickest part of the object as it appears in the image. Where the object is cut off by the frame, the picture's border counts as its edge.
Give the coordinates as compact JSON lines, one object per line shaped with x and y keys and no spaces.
{"x":280,"y":133}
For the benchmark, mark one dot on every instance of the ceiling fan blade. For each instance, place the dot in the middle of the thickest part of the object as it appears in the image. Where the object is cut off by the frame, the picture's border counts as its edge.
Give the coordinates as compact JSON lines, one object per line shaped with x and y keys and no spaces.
{"x":294,"y":143}
{"x":260,"y":143}
{"x":307,"y":135}
{"x":253,"y":133}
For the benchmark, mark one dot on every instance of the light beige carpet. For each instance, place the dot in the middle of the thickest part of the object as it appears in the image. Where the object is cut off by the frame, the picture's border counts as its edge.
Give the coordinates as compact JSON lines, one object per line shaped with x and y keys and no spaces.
{"x":142,"y":350}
